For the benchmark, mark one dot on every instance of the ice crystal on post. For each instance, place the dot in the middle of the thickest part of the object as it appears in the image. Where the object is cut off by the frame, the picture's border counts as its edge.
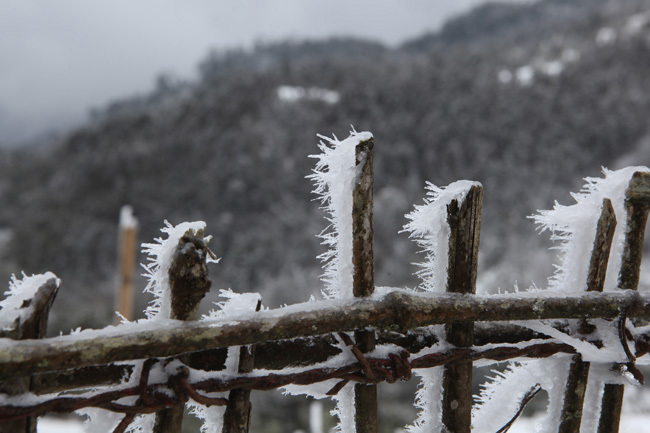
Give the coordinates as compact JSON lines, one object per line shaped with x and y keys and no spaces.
{"x":335,"y":176}
{"x":428,"y":401}
{"x":498,"y":402}
{"x":235,"y":304}
{"x":20,"y":290}
{"x":160,"y":258}
{"x":428,"y":226}
{"x":575,"y":226}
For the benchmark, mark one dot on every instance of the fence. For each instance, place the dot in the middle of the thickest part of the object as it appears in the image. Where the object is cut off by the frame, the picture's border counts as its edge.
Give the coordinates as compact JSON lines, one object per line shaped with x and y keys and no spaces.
{"x":68,"y":373}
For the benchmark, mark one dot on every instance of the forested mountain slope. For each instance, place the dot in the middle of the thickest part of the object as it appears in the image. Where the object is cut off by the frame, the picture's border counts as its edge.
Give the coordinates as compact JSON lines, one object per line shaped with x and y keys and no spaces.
{"x":525,"y":98}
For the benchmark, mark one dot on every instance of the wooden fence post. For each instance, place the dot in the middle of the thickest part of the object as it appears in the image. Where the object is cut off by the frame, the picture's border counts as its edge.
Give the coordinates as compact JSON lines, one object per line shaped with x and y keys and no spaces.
{"x":34,"y":326}
{"x":637,"y":203}
{"x":189,"y":282}
{"x":465,"y":225}
{"x":128,"y":236}
{"x":576,"y":386}
{"x":365,"y":396}
{"x":238,"y":411}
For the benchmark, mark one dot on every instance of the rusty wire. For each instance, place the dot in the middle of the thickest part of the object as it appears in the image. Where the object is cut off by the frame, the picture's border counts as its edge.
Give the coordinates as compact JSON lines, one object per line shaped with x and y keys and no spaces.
{"x":154,"y":397}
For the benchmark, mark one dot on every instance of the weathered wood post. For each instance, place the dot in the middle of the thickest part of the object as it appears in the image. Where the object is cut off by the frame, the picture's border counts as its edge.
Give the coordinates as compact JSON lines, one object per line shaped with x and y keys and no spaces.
{"x":365,"y":396}
{"x":465,"y":225}
{"x":574,"y":394}
{"x":33,"y":325}
{"x":128,"y":236}
{"x":237,"y":417}
{"x":637,"y":202}
{"x":189,"y":283}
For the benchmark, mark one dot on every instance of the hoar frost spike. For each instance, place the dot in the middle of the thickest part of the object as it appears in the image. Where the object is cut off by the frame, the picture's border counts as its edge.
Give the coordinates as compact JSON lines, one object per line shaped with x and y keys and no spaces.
{"x":574,"y":227}
{"x":160,"y":259}
{"x":428,"y":231}
{"x":335,"y":176}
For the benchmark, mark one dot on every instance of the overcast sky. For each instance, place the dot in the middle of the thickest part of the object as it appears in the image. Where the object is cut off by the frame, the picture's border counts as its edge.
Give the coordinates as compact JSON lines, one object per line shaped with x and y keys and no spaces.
{"x":60,"y":58}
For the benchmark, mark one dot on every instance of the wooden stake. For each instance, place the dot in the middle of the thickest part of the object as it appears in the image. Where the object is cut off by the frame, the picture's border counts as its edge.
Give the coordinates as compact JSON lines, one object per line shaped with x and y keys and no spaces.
{"x":605,"y":229}
{"x":34,"y":327}
{"x":127,"y":259}
{"x":465,"y":225}
{"x":637,"y":203}
{"x":610,"y":410}
{"x":238,"y":411}
{"x":189,"y":282}
{"x":365,"y":396}
{"x":574,"y":395}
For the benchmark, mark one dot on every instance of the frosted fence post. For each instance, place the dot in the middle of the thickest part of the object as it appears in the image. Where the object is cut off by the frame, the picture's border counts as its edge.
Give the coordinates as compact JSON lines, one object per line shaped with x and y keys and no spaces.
{"x":363,"y":284}
{"x":238,"y":411}
{"x":610,"y":408}
{"x":637,"y":201}
{"x":605,"y":229}
{"x":465,"y":228}
{"x":34,"y":326}
{"x":128,"y":235}
{"x":188,"y":282}
{"x":574,"y":394}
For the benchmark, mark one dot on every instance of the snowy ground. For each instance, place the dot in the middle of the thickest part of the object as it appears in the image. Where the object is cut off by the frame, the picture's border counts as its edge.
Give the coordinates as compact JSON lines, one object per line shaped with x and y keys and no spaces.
{"x":630,"y":423}
{"x":56,"y":425}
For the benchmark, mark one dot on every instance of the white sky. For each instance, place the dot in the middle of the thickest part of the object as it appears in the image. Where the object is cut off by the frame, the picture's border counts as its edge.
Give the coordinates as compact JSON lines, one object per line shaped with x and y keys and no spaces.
{"x":60,"y":58}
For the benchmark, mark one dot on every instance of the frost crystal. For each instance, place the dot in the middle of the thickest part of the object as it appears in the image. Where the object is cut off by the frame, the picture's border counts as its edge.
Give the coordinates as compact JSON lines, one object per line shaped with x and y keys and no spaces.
{"x":575,"y":227}
{"x":335,"y":176}
{"x":235,"y":304}
{"x":500,"y":398}
{"x":160,"y":258}
{"x":21,"y":290}
{"x":429,"y":402}
{"x":428,"y":226}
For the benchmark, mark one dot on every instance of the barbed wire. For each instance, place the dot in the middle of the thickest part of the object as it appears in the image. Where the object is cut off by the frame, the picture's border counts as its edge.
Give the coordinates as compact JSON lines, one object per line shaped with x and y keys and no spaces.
{"x":395,"y":366}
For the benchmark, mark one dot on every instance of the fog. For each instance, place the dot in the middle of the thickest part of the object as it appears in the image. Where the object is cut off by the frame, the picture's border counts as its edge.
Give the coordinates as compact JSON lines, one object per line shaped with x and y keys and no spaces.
{"x":60,"y":59}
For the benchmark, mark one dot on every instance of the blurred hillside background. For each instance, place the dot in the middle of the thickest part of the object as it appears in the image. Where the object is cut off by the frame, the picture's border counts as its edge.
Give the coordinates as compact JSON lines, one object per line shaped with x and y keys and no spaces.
{"x":526,"y":97}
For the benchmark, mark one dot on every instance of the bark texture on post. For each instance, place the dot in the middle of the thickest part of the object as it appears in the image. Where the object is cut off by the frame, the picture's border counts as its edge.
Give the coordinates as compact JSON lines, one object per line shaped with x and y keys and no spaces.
{"x":33,"y":327}
{"x":637,"y":202}
{"x":237,"y":417}
{"x":465,"y":225}
{"x":610,"y":410}
{"x":189,"y":283}
{"x":574,"y":396}
{"x":363,"y":284}
{"x":605,"y":229}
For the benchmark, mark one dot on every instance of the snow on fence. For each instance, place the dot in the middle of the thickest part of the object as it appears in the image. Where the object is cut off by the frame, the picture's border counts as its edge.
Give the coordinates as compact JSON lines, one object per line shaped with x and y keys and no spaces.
{"x":580,"y":339}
